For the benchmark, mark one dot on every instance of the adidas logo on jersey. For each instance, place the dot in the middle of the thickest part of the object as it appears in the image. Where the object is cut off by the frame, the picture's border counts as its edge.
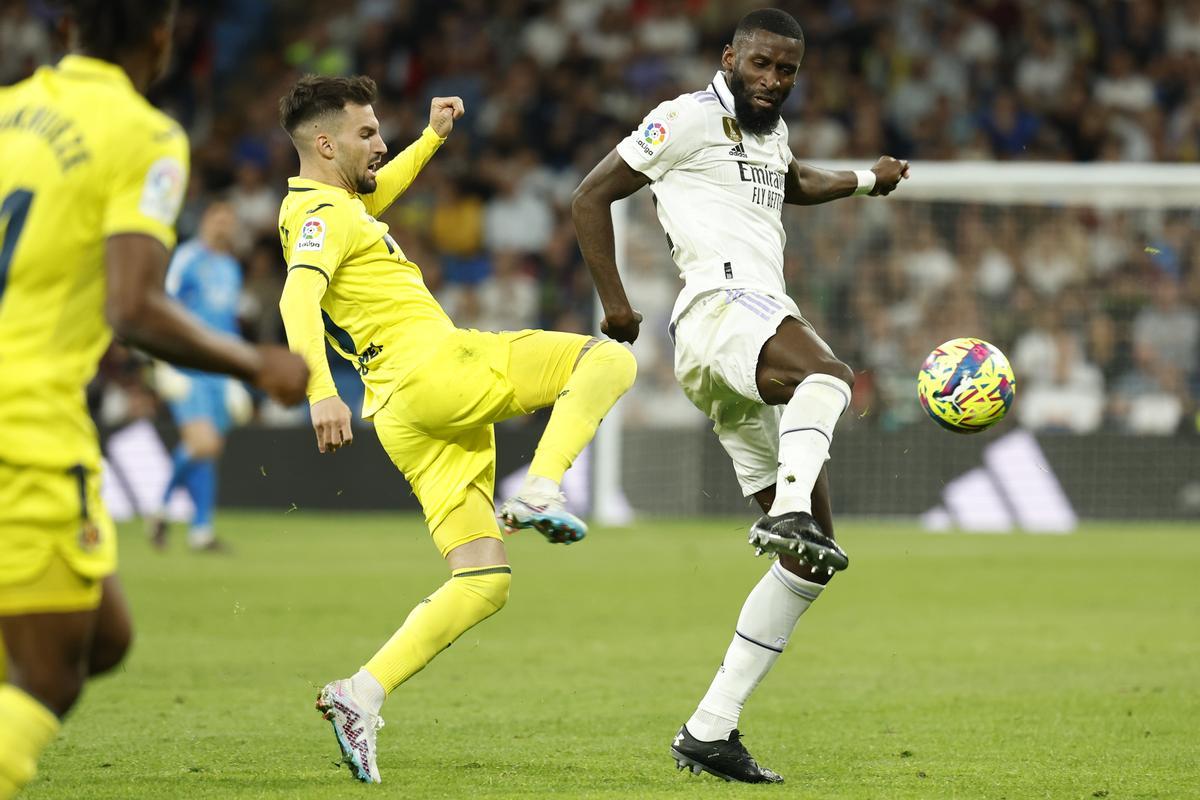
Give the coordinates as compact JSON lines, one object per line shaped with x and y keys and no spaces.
{"x":737,"y":151}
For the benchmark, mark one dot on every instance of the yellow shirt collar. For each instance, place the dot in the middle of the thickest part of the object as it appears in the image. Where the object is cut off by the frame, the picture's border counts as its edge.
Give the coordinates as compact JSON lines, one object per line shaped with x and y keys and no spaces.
{"x":93,"y":69}
{"x":308,"y":185}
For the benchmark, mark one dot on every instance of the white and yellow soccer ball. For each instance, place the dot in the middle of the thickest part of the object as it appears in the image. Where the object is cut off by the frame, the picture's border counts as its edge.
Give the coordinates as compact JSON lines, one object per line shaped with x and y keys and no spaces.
{"x":966,"y":385}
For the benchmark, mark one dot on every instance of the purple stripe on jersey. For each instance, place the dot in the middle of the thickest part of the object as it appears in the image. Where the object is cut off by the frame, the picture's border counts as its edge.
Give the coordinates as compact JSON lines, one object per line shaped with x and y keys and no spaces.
{"x":761,"y":302}
{"x":768,"y":301}
{"x":756,"y":310}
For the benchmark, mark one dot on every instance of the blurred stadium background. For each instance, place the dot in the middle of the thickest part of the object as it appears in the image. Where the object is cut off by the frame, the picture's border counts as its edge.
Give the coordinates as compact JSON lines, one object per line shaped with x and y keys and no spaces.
{"x":1044,"y":227}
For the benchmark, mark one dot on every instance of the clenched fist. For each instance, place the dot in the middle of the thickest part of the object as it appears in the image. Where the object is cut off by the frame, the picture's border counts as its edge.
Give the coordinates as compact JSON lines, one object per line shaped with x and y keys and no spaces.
{"x":442,"y":113}
{"x":888,"y":174}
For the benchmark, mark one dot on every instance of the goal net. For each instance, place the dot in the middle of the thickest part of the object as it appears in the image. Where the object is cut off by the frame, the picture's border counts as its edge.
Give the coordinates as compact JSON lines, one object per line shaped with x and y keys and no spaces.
{"x":1086,"y":276}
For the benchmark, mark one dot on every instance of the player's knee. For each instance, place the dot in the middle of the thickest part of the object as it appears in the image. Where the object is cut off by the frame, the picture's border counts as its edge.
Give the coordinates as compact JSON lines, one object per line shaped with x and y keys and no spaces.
{"x":618,"y":363}
{"x":109,"y":650}
{"x":497,"y":589}
{"x":491,"y":587}
{"x":202,"y":440}
{"x":836,"y":369}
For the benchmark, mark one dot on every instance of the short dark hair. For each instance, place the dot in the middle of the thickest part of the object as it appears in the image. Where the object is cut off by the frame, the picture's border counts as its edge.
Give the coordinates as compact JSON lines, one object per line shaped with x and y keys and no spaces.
{"x":771,"y":20}
{"x":109,"y":29}
{"x":317,"y":95}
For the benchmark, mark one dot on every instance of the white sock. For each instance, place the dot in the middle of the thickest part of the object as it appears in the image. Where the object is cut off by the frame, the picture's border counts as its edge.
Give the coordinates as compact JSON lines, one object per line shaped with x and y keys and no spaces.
{"x":763,"y":630}
{"x":200,"y":536}
{"x":368,"y":690}
{"x":537,"y":486}
{"x":805,"y":433}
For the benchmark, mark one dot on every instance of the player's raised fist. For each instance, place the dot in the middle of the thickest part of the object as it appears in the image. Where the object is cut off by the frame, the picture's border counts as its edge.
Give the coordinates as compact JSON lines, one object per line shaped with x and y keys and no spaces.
{"x":622,"y":326}
{"x":442,"y":113}
{"x":888,"y":174}
{"x":283,"y":374}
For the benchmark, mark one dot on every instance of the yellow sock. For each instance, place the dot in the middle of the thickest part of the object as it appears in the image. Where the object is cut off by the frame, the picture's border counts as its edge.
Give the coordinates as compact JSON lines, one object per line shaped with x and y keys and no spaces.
{"x":468,"y":598}
{"x":603,"y":374}
{"x":26,"y":727}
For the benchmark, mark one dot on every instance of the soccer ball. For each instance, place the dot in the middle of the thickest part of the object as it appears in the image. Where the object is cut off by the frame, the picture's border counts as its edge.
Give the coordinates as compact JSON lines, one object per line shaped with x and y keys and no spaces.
{"x":966,"y":385}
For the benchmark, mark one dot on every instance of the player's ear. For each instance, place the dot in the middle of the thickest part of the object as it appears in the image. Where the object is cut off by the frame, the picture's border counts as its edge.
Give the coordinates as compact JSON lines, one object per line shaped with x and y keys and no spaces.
{"x":323,"y":144}
{"x":727,"y":58}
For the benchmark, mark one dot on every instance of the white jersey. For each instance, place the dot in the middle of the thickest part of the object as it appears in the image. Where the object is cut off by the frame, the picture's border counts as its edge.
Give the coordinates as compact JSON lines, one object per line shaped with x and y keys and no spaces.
{"x":718,"y":191}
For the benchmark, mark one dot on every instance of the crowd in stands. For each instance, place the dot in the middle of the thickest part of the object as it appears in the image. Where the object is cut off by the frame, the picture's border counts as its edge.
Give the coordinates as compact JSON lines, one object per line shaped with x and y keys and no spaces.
{"x":1098,"y":312}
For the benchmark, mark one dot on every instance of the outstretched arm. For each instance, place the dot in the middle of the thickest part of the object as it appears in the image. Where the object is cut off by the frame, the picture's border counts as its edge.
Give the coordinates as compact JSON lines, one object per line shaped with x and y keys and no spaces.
{"x":398,"y":174}
{"x":591,"y":210}
{"x":143,"y":314}
{"x":807,"y":185}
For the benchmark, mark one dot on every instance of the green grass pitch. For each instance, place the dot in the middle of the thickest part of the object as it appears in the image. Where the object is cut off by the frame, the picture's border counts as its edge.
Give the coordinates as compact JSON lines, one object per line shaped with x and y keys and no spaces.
{"x":951,"y":666}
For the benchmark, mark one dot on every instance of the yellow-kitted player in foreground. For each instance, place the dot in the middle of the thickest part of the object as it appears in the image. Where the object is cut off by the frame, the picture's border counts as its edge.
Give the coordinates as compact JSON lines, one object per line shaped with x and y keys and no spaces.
{"x":433,"y":390}
{"x":91,"y":180}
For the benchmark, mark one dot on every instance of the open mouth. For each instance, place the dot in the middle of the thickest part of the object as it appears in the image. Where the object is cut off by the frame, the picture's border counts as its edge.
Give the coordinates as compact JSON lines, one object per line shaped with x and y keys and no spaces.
{"x":764,"y":101}
{"x":373,"y":168}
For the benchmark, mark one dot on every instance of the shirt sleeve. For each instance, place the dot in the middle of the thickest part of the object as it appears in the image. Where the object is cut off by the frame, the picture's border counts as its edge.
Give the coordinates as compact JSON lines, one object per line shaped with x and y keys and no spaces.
{"x":300,"y":307}
{"x":665,"y":138}
{"x":398,"y":174}
{"x":146,"y":189}
{"x":320,"y":241}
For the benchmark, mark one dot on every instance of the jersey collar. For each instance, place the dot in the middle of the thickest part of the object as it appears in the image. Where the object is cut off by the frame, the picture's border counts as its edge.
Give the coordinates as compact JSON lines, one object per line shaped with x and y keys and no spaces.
{"x":75,"y":65}
{"x":724,"y":94}
{"x":310,"y":185}
{"x":722,"y":89}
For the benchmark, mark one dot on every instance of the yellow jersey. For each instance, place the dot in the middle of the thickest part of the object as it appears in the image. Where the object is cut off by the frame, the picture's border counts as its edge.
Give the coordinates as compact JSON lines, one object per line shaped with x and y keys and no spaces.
{"x":376,"y":311}
{"x":83,"y":156}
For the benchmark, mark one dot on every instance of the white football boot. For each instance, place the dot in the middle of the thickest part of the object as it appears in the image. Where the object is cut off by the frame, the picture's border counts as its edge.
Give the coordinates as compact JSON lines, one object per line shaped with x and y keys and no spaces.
{"x":355,"y":727}
{"x":545,"y":513}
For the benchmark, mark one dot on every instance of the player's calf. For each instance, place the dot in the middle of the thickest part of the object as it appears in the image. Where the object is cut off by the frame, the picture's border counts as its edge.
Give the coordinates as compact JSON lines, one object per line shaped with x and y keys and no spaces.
{"x":114,"y":630}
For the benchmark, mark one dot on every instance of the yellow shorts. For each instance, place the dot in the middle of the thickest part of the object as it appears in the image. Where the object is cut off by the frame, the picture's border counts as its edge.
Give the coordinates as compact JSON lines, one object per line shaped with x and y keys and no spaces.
{"x":437,"y":426}
{"x":57,"y":542}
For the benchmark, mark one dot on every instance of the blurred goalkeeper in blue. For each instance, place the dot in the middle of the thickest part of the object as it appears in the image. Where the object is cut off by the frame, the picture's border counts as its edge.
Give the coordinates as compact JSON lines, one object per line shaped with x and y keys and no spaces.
{"x":206,"y":278}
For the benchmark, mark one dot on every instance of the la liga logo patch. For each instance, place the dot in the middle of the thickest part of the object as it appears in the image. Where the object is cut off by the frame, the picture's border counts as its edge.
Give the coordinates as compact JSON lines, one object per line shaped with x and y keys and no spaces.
{"x":655,"y":133}
{"x":312,"y":234}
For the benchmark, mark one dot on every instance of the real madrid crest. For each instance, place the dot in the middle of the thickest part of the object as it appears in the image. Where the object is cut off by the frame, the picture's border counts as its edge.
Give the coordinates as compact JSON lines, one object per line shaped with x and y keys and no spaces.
{"x":731,"y":129}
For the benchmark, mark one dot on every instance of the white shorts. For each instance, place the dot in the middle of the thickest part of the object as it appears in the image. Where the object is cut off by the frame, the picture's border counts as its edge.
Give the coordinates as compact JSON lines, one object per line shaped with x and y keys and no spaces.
{"x":717,"y":344}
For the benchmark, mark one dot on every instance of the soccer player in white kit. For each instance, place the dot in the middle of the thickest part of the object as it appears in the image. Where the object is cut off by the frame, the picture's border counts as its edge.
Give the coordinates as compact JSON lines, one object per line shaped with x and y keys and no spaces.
{"x":718,"y":163}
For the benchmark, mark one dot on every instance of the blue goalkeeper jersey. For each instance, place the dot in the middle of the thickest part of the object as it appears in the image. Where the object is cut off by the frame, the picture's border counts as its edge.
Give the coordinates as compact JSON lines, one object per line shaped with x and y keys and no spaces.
{"x":207,"y":283}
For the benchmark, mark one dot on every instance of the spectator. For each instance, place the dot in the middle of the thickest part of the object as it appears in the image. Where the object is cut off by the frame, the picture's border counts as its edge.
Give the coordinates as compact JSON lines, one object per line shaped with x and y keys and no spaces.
{"x":1068,"y":395}
{"x":1167,"y":331}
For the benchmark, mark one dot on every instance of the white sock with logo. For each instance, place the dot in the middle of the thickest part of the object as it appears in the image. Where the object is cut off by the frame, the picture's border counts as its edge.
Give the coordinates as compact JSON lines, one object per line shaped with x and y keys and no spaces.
{"x":368,"y":690}
{"x":805,"y":433}
{"x":766,"y":623}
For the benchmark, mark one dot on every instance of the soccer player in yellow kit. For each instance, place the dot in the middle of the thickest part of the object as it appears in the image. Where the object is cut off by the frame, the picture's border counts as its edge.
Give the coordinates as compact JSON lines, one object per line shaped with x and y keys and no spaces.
{"x":91,"y":180}
{"x":433,"y":390}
